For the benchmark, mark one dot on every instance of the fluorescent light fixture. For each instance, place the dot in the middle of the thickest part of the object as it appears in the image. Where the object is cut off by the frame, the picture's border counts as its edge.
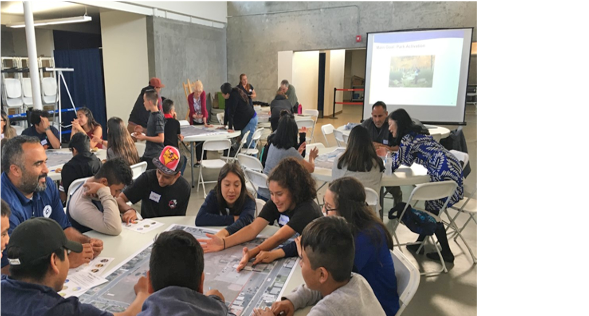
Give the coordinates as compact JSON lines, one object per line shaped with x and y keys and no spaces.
{"x":76,"y":19}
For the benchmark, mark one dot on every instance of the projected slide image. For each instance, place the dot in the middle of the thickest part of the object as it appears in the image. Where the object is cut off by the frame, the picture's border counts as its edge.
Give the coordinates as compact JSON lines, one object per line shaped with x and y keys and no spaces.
{"x":412,"y":71}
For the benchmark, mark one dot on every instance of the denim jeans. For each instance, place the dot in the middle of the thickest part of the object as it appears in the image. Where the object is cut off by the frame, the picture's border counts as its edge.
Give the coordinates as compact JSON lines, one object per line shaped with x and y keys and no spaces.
{"x":251,"y":127}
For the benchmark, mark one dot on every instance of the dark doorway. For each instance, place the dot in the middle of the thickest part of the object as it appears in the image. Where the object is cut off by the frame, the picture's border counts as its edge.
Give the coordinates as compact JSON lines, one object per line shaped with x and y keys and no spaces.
{"x":321,"y":84}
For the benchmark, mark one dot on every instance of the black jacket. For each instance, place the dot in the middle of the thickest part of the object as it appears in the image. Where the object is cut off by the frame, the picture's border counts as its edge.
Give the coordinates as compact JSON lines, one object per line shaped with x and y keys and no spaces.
{"x":237,"y":111}
{"x":82,"y":165}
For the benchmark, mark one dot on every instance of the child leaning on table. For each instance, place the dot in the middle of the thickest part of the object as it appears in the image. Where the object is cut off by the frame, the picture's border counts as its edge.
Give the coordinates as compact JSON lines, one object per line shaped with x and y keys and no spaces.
{"x":175,"y":279}
{"x":327,"y":258}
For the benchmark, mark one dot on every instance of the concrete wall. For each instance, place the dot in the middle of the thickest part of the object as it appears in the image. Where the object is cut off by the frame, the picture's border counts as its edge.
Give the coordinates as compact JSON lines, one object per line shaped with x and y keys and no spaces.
{"x":181,"y":51}
{"x":257,"y":31}
{"x":124,"y":52}
{"x":14,"y":42}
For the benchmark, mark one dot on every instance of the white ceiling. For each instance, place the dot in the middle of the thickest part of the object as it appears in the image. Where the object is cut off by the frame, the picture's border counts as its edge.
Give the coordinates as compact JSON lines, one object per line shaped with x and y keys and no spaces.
{"x":12,"y":12}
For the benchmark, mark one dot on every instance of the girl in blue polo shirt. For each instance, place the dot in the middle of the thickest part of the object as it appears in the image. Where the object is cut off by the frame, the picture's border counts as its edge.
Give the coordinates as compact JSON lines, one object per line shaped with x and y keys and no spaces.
{"x":229,"y":203}
{"x":346,"y":197}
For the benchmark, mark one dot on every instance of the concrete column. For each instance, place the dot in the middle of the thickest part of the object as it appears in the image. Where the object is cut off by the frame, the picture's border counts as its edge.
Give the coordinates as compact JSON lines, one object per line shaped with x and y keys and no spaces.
{"x":32,"y":50}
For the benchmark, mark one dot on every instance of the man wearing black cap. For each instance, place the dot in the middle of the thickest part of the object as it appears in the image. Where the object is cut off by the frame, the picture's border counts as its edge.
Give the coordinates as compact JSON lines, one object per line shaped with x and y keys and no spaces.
{"x":29,"y":193}
{"x":83,"y":164}
{"x":162,"y":191}
{"x":139,"y":115}
{"x":38,"y":255}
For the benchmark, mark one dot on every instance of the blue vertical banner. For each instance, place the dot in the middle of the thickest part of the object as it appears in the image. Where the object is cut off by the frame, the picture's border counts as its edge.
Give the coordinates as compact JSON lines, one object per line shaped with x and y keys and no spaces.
{"x":85,"y":83}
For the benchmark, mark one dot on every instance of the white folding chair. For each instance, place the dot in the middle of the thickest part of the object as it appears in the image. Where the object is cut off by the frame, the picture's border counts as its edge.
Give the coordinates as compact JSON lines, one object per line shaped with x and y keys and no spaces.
{"x":211,"y":145}
{"x":339,"y":138}
{"x":407,"y":279}
{"x":314,"y":115}
{"x":259,"y":206}
{"x":256,"y":140}
{"x":249,"y":162}
{"x":346,"y":137}
{"x":221,"y":118}
{"x":326,"y":130}
{"x":372,"y":200}
{"x":140,"y":148}
{"x":138,"y":169}
{"x":49,"y":87}
{"x":468,"y":206}
{"x":315,"y":145}
{"x":242,"y":143}
{"x":12,"y":94}
{"x":27,"y":92}
{"x":309,"y":124}
{"x":258,"y":179}
{"x":428,"y":192}
{"x":73,"y":186}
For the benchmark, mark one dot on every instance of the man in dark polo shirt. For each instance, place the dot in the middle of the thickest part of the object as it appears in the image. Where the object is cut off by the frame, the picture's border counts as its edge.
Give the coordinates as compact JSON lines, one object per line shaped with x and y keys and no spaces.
{"x":162,"y":191}
{"x":383,"y":141}
{"x":38,"y":254}
{"x":42,"y":129}
{"x":29,"y":193}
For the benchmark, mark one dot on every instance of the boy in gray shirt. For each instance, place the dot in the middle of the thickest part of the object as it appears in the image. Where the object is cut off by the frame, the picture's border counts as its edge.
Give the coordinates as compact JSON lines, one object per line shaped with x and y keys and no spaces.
{"x":327,"y":258}
{"x":154,"y":140}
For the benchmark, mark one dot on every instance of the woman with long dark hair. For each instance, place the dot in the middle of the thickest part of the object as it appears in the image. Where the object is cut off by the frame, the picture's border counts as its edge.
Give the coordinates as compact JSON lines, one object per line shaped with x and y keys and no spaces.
{"x":359,"y":160}
{"x":85,"y":123}
{"x":229,"y":203}
{"x":120,"y":143}
{"x":346,"y":197}
{"x":441,"y":165}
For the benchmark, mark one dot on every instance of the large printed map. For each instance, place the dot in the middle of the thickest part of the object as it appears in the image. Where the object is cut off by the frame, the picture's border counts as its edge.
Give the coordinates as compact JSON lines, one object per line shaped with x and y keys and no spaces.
{"x":257,"y":286}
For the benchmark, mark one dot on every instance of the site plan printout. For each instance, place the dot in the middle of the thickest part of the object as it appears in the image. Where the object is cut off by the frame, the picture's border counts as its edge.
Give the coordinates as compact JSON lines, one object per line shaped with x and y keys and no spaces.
{"x":259,"y":286}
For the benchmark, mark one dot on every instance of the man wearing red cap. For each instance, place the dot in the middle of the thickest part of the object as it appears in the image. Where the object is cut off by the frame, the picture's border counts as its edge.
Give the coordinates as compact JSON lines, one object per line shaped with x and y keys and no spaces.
{"x":162,"y":191}
{"x":139,"y":115}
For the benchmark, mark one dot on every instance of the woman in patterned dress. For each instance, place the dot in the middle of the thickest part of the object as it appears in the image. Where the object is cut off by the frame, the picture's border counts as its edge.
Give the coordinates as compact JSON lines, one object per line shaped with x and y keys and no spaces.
{"x":441,"y":165}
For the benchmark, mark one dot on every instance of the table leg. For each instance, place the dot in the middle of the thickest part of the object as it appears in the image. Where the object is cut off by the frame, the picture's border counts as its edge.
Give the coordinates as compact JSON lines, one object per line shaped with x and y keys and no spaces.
{"x":192,"y":162}
{"x":383,"y":192}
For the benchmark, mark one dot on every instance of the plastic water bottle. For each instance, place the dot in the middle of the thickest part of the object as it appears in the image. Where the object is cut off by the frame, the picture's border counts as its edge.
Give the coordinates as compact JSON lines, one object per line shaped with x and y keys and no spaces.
{"x":388,"y":164}
{"x":300,"y":110}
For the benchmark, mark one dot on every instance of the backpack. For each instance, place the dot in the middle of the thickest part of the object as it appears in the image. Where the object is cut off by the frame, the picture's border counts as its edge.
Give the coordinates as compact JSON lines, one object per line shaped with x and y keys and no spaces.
{"x":417,"y":221}
{"x":264,"y":153}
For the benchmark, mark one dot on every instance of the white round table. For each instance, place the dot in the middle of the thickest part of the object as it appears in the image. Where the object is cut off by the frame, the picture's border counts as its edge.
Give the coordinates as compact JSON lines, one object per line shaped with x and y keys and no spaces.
{"x":56,"y":158}
{"x":128,"y":243}
{"x":437,"y":132}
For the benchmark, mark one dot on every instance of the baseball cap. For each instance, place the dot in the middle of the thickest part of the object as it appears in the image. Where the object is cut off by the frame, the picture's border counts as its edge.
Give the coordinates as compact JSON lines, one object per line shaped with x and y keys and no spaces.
{"x":37,"y":238}
{"x":169,"y":161}
{"x":156,"y":83}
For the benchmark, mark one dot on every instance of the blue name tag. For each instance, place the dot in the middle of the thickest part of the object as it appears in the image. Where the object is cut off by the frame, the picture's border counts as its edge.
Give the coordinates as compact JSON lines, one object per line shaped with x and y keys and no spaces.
{"x":283,"y":220}
{"x":385,"y":142}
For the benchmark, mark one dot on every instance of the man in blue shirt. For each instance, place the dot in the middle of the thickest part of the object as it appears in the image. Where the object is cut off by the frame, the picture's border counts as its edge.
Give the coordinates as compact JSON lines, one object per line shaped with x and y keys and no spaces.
{"x":29,"y":194}
{"x":38,"y":255}
{"x":47,"y":134}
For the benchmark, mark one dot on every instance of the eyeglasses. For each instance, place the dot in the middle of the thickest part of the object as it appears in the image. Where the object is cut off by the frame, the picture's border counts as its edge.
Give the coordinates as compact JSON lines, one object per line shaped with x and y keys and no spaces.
{"x":327,"y":208}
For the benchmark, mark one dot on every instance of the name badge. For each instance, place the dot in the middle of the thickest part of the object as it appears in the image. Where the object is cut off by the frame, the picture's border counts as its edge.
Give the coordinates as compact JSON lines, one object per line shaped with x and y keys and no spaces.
{"x":44,"y":142}
{"x":283,"y":220}
{"x":154,"y":197}
{"x":385,"y":142}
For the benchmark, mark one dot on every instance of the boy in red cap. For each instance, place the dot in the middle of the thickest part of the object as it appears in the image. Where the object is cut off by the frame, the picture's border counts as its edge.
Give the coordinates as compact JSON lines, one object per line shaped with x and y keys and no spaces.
{"x":162,"y":191}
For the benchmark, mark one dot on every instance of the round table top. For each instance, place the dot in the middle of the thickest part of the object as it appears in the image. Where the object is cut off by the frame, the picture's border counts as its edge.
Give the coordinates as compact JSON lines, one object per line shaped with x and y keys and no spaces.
{"x":437,"y":132}
{"x":205,"y":137}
